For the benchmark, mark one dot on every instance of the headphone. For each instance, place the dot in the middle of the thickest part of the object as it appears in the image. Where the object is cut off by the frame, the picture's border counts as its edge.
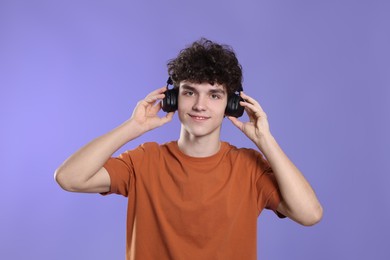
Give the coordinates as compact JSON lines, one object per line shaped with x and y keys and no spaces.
{"x":233,"y":107}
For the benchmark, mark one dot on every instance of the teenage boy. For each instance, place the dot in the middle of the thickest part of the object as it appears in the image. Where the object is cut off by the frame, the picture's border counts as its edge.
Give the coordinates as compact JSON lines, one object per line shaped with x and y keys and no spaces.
{"x":197,"y":197}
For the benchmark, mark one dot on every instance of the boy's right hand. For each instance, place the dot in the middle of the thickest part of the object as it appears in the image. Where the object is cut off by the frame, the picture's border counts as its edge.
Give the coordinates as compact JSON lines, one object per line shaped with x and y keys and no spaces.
{"x":145,"y":114}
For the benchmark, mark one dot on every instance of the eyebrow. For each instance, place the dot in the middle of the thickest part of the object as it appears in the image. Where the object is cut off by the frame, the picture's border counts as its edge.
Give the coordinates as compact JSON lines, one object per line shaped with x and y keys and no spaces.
{"x":213,"y":91}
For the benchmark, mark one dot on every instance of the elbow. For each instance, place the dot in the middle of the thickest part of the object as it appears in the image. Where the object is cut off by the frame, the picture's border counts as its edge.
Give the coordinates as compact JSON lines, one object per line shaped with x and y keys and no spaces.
{"x":314,"y":217}
{"x":62,"y":180}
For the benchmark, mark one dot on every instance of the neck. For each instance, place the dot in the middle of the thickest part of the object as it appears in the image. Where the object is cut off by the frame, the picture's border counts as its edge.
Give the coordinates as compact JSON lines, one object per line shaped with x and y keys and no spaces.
{"x":198,"y":146}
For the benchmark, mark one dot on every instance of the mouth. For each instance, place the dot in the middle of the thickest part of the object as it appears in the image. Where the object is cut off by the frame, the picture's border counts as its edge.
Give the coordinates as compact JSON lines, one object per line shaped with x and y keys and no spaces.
{"x":196,"y":117}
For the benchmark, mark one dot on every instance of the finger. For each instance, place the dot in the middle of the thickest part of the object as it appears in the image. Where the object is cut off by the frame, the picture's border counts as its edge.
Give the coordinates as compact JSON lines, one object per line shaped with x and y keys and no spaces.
{"x":155,"y":108}
{"x":155,"y":95}
{"x":249,"y":106}
{"x":252,"y":110}
{"x":157,"y":91}
{"x":153,"y":98}
{"x":251,"y":100}
{"x":167,"y":118}
{"x":236,"y":122}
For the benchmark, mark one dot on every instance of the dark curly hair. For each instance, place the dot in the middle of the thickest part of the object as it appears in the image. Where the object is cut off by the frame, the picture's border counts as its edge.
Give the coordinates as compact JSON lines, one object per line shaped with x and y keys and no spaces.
{"x":207,"y":61}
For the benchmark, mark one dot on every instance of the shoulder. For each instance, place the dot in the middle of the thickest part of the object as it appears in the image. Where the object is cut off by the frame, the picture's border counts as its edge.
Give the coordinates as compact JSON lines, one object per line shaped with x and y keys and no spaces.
{"x":153,"y":146}
{"x":247,"y":156}
{"x":149,"y":146}
{"x":151,"y":149}
{"x":242,"y":151}
{"x":139,"y":151}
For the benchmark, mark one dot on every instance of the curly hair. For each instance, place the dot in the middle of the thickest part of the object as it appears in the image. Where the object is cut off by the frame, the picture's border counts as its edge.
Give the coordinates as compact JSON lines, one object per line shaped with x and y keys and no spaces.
{"x":207,"y":61}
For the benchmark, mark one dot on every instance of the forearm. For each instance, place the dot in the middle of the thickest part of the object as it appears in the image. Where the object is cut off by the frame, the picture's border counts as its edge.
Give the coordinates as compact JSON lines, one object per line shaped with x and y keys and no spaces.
{"x":87,"y":161}
{"x":299,"y":199}
{"x":83,"y":170}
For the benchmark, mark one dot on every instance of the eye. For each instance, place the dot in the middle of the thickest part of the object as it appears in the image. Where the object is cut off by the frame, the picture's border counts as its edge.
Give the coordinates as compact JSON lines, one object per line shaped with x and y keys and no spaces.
{"x":188,"y":93}
{"x":215,"y":96}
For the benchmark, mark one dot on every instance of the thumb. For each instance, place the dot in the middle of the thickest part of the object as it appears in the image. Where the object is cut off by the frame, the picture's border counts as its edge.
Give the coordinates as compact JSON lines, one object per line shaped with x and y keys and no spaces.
{"x":167,"y":118}
{"x":236,"y":122}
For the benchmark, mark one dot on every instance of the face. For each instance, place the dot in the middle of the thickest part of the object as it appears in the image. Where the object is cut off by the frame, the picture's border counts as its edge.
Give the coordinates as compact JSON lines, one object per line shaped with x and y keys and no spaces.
{"x":201,"y":108}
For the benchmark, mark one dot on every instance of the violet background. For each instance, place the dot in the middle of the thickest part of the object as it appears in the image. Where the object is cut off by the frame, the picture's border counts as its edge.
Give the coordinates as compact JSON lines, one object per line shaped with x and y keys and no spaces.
{"x":73,"y":70}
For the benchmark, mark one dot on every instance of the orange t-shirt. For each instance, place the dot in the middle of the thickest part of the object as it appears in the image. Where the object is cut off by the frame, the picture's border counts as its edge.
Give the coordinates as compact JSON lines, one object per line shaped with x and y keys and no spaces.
{"x":182,"y":207}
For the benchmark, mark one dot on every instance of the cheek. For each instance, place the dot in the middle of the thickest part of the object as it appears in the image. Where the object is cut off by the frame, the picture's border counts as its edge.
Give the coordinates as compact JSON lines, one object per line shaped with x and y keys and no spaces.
{"x":223,"y":107}
{"x":182,"y":102}
{"x":218,"y":107}
{"x":181,"y":108}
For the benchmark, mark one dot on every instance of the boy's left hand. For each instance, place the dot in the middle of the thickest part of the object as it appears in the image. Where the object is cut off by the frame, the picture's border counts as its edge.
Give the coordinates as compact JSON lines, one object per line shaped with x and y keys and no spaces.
{"x":257,"y":128}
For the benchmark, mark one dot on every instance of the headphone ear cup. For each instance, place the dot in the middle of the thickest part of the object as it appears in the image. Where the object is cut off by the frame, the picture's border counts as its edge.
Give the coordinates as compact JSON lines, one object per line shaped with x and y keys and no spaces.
{"x":169,"y":102}
{"x":233,"y":107}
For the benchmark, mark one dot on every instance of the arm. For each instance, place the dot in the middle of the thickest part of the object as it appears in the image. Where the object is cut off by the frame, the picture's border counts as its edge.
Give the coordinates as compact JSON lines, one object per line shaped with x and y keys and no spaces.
{"x":299,"y":201}
{"x":84,"y":172}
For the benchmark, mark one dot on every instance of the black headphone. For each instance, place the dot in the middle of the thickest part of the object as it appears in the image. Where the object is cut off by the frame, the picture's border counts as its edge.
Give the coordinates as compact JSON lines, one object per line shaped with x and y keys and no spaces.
{"x":233,"y":107}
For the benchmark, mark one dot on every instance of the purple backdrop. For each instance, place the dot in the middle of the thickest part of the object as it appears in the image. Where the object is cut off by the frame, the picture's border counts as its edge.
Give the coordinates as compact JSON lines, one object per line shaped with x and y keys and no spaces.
{"x":72,"y":70}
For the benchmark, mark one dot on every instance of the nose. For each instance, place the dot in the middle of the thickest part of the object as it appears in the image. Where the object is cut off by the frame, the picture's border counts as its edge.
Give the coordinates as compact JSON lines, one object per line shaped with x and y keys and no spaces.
{"x":200,"y":103}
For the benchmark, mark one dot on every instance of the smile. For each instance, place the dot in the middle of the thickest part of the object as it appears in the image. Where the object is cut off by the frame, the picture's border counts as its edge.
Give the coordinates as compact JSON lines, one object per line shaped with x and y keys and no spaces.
{"x":199,"y":117}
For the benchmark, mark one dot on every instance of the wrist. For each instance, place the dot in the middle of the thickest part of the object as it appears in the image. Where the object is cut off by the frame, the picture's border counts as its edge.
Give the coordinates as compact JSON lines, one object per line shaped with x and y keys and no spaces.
{"x":265,"y":142}
{"x":130,"y":129}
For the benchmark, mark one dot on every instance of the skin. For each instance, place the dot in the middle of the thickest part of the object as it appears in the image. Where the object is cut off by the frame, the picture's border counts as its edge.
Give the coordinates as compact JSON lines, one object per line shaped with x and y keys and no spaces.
{"x":201,"y":112}
{"x":299,"y":201}
{"x":83,"y":171}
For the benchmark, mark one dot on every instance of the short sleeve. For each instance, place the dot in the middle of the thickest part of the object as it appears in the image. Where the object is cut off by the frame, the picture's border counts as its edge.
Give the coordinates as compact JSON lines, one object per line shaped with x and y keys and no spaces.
{"x":268,"y":195}
{"x":121,"y":173}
